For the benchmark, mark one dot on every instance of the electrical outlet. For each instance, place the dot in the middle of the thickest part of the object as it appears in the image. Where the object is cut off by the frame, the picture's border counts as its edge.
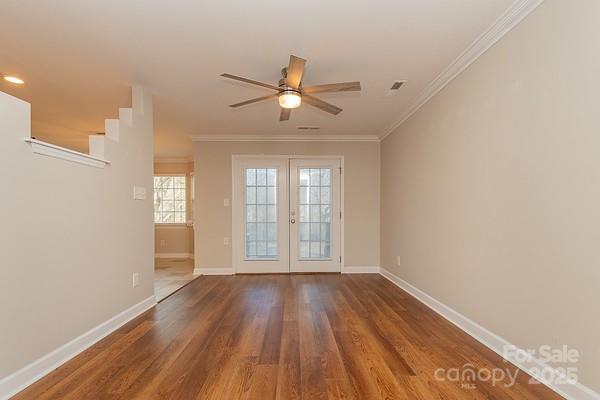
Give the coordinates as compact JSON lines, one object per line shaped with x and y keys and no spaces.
{"x":226,"y":241}
{"x":163,"y":242}
{"x":136,"y":279}
{"x":398,"y":260}
{"x":225,"y":202}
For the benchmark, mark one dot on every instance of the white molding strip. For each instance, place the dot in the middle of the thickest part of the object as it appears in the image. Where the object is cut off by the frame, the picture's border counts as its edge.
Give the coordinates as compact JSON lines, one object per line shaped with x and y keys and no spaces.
{"x":213,"y":271}
{"x":285,"y":138}
{"x":496,"y":343}
{"x":174,"y":255}
{"x":507,"y":21}
{"x":229,"y":270}
{"x":52,"y":150}
{"x":183,"y":160}
{"x":24,"y":377}
{"x":360,"y":270}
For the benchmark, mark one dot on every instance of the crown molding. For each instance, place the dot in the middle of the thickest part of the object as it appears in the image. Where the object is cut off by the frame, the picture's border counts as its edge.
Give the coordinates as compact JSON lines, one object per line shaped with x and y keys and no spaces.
{"x":174,"y":160}
{"x":285,"y":138}
{"x":507,"y":21}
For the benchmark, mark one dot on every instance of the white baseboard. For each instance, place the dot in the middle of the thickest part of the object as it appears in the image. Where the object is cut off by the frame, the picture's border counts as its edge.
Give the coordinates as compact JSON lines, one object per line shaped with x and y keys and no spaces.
{"x":495,"y":342}
{"x":27,"y":375}
{"x":229,"y":270}
{"x":174,"y":255}
{"x":360,"y":270}
{"x":19,"y":380}
{"x":213,"y":271}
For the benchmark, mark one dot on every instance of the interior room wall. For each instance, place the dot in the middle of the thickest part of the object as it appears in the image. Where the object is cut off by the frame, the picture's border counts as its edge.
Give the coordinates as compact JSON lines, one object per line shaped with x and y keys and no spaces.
{"x":72,"y":236}
{"x":491,"y":191}
{"x":213,"y":184}
{"x":175,"y":240}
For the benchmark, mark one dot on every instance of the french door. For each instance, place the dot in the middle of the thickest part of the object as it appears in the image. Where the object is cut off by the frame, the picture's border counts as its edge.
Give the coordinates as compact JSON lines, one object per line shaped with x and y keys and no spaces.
{"x":260,"y":215}
{"x":286,"y":215}
{"x":315,"y":215}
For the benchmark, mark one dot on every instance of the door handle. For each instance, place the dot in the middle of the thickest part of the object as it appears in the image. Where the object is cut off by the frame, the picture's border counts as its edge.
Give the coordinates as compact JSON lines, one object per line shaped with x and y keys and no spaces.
{"x":292,"y":221}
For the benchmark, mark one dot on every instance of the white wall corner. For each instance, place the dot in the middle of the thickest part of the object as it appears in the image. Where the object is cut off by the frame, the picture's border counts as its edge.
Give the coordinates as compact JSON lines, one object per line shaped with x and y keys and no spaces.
{"x":96,"y":146}
{"x":111,"y":129}
{"x":573,"y":390}
{"x":141,"y":100}
{"x":27,"y":375}
{"x":213,"y":271}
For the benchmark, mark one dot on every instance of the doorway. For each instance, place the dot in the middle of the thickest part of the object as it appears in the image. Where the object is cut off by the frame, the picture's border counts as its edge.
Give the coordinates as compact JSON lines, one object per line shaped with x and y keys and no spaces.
{"x":287,"y":214}
{"x":173,"y":226}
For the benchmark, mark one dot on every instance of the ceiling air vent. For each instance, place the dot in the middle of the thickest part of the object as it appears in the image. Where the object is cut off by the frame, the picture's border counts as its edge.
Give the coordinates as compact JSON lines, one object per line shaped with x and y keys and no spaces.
{"x":309,"y":128}
{"x":394,"y":89}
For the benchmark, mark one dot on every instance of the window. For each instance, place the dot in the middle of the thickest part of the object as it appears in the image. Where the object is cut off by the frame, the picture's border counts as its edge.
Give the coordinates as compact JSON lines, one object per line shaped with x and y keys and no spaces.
{"x":169,"y":200}
{"x":261,"y":213}
{"x":315,"y":213}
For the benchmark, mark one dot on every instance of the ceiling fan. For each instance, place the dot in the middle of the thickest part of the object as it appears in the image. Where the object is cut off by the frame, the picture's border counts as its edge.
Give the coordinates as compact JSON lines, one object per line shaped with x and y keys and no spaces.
{"x":291,"y":93}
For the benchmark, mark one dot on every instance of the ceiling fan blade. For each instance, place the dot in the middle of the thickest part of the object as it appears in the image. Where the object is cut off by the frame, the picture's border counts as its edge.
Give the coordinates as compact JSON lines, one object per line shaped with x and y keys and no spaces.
{"x":243,"y":103}
{"x":239,"y":78}
{"x":285,"y":113}
{"x":295,"y":71}
{"x":333,"y":87}
{"x":313,"y":101}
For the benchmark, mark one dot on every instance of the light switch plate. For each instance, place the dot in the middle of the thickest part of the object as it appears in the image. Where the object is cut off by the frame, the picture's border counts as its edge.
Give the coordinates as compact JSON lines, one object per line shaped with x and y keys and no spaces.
{"x":226,"y":241}
{"x":225,"y":202}
{"x":135,"y":279}
{"x":139,"y":193}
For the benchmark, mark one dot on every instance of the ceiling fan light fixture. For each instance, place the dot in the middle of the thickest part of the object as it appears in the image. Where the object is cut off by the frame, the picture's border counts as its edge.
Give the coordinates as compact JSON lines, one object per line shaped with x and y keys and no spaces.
{"x":290,"y":99}
{"x":290,"y":92}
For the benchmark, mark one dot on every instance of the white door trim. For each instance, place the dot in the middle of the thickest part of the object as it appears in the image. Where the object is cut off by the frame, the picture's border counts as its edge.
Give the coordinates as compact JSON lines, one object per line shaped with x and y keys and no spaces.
{"x":333,"y":263}
{"x":235,"y":157}
{"x":240,"y":262}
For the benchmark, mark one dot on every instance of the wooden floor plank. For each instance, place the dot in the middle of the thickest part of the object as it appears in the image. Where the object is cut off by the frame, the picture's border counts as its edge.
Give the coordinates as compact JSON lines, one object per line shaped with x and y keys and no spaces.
{"x":284,"y":337}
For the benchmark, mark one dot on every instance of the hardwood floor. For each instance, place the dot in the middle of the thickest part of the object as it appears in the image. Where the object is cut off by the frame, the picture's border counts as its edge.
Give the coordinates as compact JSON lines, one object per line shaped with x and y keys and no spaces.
{"x":171,"y":274}
{"x":285,"y":337}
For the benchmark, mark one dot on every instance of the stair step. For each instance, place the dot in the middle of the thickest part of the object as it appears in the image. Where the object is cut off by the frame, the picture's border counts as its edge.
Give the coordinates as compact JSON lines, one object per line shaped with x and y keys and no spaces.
{"x":111,"y":129}
{"x":97,"y":146}
{"x":126,"y":115}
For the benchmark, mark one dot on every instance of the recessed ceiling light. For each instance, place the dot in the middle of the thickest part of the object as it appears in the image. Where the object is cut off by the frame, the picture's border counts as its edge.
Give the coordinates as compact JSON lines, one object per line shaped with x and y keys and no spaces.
{"x":14,"y":79}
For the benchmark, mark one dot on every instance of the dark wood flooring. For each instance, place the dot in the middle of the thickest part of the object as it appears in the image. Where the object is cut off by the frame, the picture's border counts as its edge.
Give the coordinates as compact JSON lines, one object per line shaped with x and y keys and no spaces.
{"x":284,"y":337}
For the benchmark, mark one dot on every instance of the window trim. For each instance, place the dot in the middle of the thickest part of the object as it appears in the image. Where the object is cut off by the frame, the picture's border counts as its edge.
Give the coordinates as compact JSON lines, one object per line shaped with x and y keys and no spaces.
{"x":172,"y":224}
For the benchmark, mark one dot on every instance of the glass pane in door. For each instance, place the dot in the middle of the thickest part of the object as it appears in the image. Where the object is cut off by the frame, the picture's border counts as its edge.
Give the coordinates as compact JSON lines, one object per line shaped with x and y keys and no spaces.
{"x":261,"y":213}
{"x":314,"y":202}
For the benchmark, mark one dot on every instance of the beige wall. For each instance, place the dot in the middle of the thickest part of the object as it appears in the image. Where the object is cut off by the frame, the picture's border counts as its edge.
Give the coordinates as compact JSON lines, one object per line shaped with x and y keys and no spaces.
{"x":491,"y":192}
{"x":71,"y":237}
{"x":175,"y":239}
{"x":213,"y":184}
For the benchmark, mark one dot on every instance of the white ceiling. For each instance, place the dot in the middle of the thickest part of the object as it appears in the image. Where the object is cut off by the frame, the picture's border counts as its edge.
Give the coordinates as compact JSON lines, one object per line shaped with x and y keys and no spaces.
{"x":80,"y":57}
